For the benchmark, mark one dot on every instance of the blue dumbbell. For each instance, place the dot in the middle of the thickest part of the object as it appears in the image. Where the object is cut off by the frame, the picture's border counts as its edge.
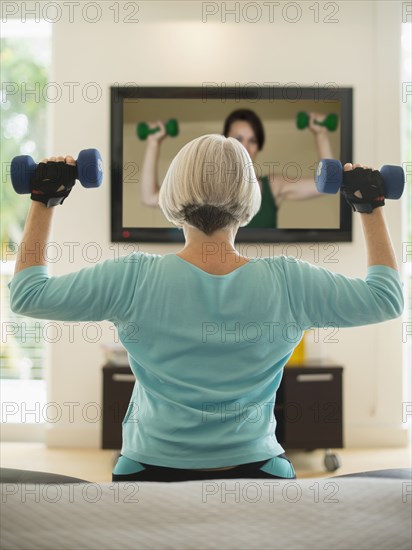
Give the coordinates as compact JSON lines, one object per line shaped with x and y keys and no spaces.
{"x":329,"y":178}
{"x":89,"y":170}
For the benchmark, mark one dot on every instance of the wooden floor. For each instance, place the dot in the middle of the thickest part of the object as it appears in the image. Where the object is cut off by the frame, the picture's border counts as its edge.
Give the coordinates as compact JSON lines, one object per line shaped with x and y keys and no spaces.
{"x":96,"y":465}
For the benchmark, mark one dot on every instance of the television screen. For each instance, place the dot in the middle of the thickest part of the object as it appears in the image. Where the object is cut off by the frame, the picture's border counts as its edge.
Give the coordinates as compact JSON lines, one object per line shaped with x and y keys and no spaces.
{"x":290,"y":130}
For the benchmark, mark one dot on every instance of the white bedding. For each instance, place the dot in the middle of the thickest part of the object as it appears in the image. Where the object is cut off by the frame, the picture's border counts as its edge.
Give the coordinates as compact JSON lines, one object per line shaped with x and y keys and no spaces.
{"x":316,"y":513}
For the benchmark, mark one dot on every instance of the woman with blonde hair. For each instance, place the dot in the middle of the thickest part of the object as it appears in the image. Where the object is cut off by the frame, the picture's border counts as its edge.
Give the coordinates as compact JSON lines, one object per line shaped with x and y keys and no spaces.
{"x":209,"y":345}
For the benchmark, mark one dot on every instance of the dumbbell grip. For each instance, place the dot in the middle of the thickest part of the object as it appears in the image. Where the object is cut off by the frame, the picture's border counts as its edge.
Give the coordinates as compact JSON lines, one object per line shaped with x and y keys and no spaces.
{"x":76,"y":172}
{"x":153,"y":130}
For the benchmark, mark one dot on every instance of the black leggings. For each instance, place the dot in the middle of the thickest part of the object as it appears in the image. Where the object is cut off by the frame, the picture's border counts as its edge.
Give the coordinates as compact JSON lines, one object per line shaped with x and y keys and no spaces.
{"x":160,"y":473}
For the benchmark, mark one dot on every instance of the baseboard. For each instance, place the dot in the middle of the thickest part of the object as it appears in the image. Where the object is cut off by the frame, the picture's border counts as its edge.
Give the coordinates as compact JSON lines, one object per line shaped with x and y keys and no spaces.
{"x":82,"y":437}
{"x":366,"y":436}
{"x":23,"y":432}
{"x":359,"y":436}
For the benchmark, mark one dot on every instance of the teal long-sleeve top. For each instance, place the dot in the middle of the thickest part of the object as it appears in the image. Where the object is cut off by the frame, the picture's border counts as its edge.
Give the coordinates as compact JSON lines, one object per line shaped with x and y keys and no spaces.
{"x":208,"y":351}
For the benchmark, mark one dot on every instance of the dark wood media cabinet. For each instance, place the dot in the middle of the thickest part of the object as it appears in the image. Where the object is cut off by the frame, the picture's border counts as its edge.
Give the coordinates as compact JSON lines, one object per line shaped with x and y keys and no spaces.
{"x":308,"y":408}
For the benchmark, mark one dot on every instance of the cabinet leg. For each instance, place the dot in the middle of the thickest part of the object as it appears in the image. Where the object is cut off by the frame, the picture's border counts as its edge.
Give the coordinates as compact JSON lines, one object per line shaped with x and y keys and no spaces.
{"x":332,"y":461}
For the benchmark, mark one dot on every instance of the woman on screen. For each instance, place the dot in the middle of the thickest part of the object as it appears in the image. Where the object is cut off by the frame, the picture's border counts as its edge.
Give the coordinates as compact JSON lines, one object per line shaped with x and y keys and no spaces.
{"x":247,"y":128}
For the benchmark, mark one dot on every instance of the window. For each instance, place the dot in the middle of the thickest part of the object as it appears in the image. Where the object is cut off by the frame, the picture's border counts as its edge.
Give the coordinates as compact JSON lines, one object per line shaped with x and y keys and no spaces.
{"x":406,"y":129}
{"x":25,"y":61}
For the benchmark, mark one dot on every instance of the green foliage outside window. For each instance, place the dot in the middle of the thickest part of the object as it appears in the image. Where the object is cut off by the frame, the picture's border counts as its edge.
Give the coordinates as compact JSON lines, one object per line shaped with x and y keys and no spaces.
{"x":24,"y":72}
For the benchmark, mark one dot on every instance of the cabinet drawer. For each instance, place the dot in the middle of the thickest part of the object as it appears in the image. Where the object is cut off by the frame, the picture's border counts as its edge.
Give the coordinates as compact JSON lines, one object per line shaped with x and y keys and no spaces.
{"x":313,"y":409}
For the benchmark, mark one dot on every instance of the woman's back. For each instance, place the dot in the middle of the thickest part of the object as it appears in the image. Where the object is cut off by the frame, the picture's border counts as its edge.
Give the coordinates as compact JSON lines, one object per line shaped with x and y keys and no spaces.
{"x":207,"y":350}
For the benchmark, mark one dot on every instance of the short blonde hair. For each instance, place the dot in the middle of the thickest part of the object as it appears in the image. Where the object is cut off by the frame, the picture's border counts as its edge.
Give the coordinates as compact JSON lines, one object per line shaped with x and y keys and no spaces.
{"x":211,"y":184}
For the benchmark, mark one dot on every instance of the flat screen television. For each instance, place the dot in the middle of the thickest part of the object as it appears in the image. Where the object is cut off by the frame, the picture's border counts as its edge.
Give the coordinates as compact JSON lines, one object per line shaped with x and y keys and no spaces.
{"x":290,"y":151}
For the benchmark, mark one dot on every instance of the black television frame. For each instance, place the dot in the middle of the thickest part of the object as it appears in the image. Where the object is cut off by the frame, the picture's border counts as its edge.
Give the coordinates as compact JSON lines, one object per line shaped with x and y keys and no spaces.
{"x":245,"y":235}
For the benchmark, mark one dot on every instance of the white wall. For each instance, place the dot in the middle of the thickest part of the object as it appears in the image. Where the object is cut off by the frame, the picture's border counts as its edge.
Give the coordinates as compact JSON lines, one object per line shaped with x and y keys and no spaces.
{"x":171,"y":45}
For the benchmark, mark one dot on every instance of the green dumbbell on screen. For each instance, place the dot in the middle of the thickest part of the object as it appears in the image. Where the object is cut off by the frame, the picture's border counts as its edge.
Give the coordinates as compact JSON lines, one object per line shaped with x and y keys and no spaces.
{"x":330,"y":122}
{"x":143,"y":130}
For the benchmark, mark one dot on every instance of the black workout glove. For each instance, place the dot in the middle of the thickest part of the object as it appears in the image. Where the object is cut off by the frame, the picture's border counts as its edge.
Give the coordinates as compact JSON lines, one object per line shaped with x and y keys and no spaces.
{"x":53,"y":182}
{"x":369,"y":183}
